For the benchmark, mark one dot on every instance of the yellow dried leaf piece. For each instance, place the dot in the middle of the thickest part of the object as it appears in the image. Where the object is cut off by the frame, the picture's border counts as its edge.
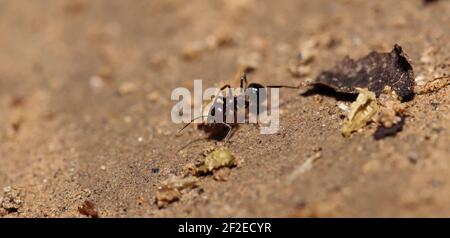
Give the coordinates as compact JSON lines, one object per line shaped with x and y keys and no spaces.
{"x":170,"y":190}
{"x":390,"y":108}
{"x":215,"y":160}
{"x":361,"y":111}
{"x":180,"y":183}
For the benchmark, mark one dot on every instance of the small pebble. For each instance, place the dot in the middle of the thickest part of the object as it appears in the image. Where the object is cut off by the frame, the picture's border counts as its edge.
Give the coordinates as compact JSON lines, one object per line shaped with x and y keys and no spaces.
{"x":96,"y":82}
{"x":153,"y":96}
{"x":7,"y":189}
{"x":127,"y":88}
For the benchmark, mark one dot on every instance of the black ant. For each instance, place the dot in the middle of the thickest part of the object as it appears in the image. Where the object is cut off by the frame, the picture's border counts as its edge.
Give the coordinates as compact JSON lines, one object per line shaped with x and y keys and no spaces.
{"x":219,"y":105}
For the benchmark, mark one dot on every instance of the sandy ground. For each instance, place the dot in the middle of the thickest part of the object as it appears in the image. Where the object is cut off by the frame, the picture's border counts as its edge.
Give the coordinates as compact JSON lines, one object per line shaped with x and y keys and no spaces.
{"x":85,"y":108}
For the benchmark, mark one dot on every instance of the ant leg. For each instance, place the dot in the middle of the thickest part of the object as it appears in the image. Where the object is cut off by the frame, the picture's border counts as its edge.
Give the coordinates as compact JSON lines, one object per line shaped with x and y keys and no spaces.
{"x":225,"y":86}
{"x":244,"y":80}
{"x":230,"y":130}
{"x":220,"y":90}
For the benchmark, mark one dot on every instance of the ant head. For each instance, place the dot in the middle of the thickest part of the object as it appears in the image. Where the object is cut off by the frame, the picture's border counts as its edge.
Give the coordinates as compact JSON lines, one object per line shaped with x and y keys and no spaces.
{"x":259,"y":90}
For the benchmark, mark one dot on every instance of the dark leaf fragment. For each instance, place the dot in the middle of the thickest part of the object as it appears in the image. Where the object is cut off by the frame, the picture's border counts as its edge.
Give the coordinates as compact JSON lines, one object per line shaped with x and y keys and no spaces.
{"x":383,"y":131}
{"x":426,"y":2}
{"x":374,"y":71}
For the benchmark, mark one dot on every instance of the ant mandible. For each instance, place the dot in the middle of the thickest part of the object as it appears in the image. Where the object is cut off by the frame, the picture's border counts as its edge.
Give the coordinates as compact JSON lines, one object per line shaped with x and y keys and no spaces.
{"x":219,"y":105}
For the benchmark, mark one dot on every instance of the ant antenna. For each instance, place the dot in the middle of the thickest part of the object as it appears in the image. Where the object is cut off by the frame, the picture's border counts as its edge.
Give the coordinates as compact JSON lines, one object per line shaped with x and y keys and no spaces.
{"x":281,"y":86}
{"x":190,"y":143}
{"x":244,"y":79}
{"x":184,"y":127}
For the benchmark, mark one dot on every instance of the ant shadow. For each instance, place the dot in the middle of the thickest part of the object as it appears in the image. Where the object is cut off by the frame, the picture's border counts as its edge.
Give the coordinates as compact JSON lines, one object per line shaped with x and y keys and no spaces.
{"x":216,"y":132}
{"x":329,"y":92}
